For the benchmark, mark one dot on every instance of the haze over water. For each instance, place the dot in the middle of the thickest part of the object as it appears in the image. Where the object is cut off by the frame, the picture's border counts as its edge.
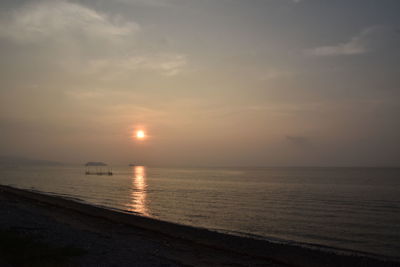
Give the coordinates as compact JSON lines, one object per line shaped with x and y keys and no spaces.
{"x":345,"y":208}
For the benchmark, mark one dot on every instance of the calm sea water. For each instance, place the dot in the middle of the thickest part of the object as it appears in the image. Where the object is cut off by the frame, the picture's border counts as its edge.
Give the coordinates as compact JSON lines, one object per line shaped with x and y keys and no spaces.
{"x":348,"y":208}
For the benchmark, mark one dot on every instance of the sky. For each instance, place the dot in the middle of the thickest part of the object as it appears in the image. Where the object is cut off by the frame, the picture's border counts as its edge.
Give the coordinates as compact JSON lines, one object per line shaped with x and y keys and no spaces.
{"x":211,"y":82}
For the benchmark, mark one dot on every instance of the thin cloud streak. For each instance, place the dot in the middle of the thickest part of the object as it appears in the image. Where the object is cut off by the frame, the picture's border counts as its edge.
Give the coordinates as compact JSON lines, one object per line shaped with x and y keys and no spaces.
{"x":44,"y":20}
{"x":359,"y":44}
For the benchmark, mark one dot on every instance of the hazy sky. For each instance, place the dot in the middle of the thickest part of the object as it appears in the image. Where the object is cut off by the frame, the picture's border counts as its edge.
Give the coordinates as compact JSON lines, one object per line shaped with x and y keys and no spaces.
{"x":213,"y":82}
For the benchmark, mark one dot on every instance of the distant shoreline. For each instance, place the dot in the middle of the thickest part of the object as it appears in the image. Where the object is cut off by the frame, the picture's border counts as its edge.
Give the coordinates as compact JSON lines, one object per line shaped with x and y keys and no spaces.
{"x":286,"y":254}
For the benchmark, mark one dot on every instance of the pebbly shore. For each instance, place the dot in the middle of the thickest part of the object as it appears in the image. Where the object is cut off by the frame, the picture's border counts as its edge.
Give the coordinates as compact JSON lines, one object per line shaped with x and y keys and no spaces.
{"x":41,"y":230}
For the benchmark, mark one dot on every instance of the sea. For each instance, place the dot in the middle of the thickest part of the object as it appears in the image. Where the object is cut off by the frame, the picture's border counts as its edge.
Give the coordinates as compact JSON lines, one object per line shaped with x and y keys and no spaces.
{"x":346,"y":209}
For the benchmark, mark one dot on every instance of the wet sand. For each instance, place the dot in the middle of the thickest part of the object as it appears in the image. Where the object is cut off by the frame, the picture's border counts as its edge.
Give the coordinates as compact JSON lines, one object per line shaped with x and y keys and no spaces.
{"x":112,"y":238}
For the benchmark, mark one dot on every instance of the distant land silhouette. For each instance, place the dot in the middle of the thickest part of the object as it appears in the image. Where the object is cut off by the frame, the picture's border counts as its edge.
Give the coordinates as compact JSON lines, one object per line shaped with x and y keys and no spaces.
{"x":15,"y":160}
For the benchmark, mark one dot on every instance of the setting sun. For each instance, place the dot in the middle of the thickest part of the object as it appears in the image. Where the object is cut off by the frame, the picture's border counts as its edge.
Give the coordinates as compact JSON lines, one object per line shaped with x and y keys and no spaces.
{"x":140,"y":134}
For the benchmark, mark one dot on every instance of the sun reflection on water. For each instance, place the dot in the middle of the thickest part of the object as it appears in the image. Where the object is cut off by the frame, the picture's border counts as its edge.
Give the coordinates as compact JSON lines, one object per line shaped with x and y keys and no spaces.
{"x":138,"y":196}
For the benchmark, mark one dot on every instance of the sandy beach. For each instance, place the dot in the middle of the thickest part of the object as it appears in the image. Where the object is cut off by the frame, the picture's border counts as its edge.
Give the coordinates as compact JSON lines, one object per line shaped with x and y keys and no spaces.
{"x":78,"y":234}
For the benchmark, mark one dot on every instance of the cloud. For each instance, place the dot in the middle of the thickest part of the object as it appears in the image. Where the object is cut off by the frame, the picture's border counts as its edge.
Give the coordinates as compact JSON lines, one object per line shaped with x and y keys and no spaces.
{"x":80,"y":39}
{"x":166,"y":64}
{"x":364,"y":42}
{"x":45,"y":20}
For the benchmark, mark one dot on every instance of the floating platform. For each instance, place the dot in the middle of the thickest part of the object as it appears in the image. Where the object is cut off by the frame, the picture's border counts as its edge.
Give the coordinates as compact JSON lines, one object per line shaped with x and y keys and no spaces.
{"x":97,"y":168}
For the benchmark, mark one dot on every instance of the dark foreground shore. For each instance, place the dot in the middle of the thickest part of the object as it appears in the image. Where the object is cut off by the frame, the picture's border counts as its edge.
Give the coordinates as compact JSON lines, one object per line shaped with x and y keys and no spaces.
{"x":41,"y":230}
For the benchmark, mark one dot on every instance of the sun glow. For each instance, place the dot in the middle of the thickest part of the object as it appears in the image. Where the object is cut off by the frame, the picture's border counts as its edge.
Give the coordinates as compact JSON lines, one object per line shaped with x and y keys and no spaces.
{"x":140,"y":134}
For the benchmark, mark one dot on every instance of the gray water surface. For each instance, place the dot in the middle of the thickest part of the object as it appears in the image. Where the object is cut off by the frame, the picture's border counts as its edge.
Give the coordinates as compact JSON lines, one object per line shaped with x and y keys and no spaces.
{"x":348,"y":208}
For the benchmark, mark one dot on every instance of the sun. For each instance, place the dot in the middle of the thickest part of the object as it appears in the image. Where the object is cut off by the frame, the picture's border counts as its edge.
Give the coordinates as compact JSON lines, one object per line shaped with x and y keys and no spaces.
{"x":140,"y":134}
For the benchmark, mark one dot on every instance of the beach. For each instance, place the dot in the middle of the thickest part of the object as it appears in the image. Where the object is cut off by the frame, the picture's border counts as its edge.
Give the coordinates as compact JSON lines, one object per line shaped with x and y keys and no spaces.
{"x":86,"y":235}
